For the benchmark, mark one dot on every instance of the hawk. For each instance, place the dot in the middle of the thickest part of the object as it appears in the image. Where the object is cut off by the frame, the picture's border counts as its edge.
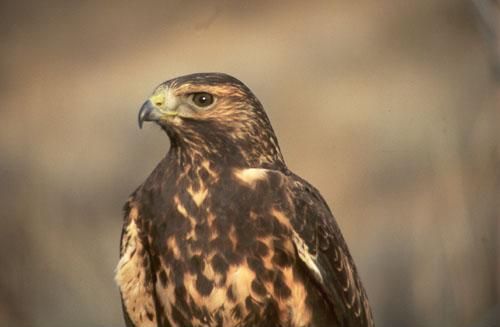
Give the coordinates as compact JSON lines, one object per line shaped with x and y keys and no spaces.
{"x":222,"y":233}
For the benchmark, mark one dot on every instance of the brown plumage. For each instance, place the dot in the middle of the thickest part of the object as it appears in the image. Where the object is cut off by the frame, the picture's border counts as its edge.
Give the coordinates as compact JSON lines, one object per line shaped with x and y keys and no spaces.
{"x":222,"y":233}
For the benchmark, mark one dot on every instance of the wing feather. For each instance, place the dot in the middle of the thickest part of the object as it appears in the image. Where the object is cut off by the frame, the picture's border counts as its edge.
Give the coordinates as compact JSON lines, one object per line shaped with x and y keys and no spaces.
{"x":323,"y":250}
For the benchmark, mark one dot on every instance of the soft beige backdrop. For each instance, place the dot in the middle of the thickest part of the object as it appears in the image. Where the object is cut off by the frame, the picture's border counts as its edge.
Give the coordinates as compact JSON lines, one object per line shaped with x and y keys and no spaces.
{"x":387,"y":106}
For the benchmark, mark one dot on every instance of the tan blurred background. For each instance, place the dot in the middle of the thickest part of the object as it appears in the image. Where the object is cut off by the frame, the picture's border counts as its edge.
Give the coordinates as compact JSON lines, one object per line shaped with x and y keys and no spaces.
{"x":389,"y":107}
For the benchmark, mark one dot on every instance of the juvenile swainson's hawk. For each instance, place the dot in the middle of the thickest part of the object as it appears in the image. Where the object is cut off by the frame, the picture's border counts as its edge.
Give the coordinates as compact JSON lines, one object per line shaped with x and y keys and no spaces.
{"x":222,"y":233}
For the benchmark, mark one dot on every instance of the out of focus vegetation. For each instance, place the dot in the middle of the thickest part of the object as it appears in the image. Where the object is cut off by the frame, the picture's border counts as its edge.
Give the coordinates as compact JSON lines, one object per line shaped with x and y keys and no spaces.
{"x":389,"y":107}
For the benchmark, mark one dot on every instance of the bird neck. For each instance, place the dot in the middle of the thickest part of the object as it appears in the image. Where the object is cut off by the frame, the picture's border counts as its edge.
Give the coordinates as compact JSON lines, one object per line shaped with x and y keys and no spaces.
{"x":195,"y":150}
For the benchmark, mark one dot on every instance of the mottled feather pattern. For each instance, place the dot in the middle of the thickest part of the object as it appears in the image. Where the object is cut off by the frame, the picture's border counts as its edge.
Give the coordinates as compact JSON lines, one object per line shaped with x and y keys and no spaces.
{"x":317,"y":226}
{"x":223,"y":234}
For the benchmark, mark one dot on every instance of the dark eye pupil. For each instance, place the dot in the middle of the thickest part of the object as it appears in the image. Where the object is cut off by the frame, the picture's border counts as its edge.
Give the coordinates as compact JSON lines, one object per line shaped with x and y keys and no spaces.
{"x":203,"y":99}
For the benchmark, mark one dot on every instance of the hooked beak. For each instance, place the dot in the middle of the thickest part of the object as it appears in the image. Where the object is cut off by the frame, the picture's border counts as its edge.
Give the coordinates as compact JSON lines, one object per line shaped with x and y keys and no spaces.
{"x":148,"y":112}
{"x":156,"y":109}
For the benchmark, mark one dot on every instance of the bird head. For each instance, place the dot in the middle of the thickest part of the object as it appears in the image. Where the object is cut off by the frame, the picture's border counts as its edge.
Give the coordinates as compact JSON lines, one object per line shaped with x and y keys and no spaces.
{"x":214,"y":115}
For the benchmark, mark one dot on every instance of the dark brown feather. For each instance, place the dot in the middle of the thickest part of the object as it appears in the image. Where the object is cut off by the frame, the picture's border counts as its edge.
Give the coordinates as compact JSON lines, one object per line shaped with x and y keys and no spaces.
{"x":223,"y":234}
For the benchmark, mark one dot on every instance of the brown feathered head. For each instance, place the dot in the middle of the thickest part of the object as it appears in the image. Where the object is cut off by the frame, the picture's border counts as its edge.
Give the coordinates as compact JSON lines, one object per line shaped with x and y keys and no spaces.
{"x":214,"y":116}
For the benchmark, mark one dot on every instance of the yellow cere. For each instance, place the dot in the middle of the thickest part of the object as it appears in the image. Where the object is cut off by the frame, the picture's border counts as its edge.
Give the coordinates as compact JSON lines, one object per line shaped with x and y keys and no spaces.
{"x":158,"y":99}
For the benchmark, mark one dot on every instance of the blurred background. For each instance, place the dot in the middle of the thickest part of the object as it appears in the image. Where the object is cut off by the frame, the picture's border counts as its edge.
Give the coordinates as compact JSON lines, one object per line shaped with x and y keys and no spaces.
{"x":391,"y":108}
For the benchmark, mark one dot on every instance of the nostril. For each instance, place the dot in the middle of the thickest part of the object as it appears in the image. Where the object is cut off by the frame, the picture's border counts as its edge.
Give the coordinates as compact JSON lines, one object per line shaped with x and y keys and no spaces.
{"x":158,"y":103}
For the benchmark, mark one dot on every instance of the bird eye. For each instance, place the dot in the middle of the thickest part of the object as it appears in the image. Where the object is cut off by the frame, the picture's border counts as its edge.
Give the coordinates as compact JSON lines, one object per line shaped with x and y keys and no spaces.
{"x":203,"y":99}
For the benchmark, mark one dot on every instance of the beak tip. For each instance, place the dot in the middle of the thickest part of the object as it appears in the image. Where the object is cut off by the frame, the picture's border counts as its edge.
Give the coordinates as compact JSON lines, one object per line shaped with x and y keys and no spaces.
{"x":144,"y":113}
